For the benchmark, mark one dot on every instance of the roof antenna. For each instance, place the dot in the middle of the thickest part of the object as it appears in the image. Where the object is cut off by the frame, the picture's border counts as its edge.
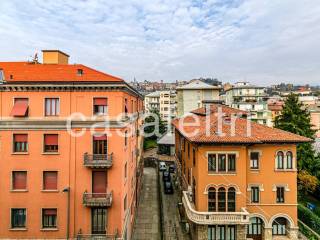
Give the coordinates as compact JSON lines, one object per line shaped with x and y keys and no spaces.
{"x":35,"y":58}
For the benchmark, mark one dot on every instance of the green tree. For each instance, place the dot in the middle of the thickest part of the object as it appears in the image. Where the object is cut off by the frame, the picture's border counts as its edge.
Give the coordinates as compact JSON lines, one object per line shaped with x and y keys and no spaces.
{"x":295,"y":118}
{"x":151,"y":119}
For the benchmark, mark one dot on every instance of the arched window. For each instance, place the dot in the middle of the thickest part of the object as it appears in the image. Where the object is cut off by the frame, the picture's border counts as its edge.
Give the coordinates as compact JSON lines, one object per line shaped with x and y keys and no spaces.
{"x":231,"y":199}
{"x":279,"y":226}
{"x":280,"y":158}
{"x":212,"y":199}
{"x":221,"y":199}
{"x":255,"y":227}
{"x":289,"y":160}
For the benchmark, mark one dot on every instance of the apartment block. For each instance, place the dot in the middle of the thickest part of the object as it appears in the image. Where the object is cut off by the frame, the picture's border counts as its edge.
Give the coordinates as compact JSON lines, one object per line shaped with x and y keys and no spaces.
{"x":70,"y":151}
{"x":239,"y":180}
{"x":163,"y":101}
{"x":194,"y":95}
{"x":251,"y":98}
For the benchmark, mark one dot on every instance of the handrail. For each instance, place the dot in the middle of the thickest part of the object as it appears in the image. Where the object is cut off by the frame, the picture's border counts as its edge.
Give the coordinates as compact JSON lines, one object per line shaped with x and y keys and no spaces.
{"x":309,"y":229}
{"x":98,"y":159}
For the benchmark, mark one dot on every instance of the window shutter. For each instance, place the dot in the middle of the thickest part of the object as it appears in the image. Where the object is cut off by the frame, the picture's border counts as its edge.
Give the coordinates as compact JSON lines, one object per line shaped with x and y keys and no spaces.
{"x":20,"y":108}
{"x":51,"y":139}
{"x":19,"y":180}
{"x":49,"y":212}
{"x":20,"y":137}
{"x":100,"y":101}
{"x":99,"y":182}
{"x":102,"y":137}
{"x":50,"y":180}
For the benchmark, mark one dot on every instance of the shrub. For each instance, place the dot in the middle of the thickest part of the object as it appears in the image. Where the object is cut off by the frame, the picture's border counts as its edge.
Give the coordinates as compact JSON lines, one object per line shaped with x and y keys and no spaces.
{"x":309,"y":218}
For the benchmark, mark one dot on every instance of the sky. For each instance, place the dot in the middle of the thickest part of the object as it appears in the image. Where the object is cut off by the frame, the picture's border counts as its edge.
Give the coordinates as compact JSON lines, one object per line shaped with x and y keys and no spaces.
{"x":261,"y":41}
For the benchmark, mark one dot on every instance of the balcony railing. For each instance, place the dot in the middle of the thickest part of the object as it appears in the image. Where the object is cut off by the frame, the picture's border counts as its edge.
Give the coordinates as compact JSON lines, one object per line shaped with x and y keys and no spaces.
{"x":207,"y":218}
{"x":97,"y":236}
{"x":97,"y":160}
{"x":97,"y":199}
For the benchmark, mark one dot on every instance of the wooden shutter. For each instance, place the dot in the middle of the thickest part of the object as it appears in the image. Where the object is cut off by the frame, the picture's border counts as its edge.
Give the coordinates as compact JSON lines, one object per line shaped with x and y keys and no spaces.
{"x":99,"y":182}
{"x":51,"y":139}
{"x":50,"y":180}
{"x":19,"y":180}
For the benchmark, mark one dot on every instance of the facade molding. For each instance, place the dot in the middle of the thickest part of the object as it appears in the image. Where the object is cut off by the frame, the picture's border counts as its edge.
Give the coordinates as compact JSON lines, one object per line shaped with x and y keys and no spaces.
{"x":261,"y":216}
{"x":217,"y":186}
{"x":289,"y":219}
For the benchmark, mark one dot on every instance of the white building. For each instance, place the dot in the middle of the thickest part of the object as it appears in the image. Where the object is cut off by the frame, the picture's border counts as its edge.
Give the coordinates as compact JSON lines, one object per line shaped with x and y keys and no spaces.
{"x":195,"y":95}
{"x":253,"y":99}
{"x":163,"y":101}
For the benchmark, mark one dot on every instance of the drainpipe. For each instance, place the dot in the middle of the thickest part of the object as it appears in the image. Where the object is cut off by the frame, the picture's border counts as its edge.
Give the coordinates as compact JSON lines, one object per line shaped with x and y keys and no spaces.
{"x":67,"y":190}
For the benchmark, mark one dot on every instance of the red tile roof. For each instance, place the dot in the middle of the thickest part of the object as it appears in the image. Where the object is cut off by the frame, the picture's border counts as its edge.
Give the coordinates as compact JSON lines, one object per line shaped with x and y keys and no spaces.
{"x":214,"y":109}
{"x":25,"y":71}
{"x":257,"y":133}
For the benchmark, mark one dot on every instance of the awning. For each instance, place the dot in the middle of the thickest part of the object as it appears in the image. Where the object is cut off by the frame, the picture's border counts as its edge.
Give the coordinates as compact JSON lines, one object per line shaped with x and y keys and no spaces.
{"x":19,"y":109}
{"x":49,"y":212}
{"x":20,"y":138}
{"x":100,"y":101}
{"x":51,"y":139}
{"x":102,"y":137}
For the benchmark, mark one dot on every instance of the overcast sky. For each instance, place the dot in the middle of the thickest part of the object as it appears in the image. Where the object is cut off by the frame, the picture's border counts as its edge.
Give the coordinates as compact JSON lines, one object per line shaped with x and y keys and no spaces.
{"x":262,"y":41}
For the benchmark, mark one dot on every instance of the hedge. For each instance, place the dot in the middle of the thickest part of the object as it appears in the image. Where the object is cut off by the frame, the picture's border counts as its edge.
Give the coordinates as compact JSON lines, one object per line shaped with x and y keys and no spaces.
{"x":309,"y":218}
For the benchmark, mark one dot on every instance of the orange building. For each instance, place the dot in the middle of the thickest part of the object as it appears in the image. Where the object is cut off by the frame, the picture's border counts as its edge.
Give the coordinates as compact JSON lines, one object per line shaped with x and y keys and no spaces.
{"x":239,"y":177}
{"x":62,"y":176}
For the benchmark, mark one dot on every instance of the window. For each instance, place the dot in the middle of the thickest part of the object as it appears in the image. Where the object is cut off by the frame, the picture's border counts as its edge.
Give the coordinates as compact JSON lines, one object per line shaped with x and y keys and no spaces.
{"x":289,"y":160}
{"x":231,"y":162}
{"x":221,"y":162}
{"x":231,"y":200}
{"x":125,"y":138}
{"x":212,"y":200}
{"x":125,"y":170}
{"x":51,"y":143}
{"x":52,"y":106}
{"x":280,"y":194}
{"x":49,"y":218}
{"x":20,"y":142}
{"x":280,"y":161}
{"x":20,"y":108}
{"x":255,"y":192}
{"x":18,"y":218}
{"x":212,"y":162}
{"x":100,"y":146}
{"x":100,"y":106}
{"x":79,"y":72}
{"x":222,"y":200}
{"x":125,"y":203}
{"x":255,"y":227}
{"x":194,"y":157}
{"x":254,"y":160}
{"x":279,"y":226}
{"x":221,"y":232}
{"x":19,"y":180}
{"x":1,"y":75}
{"x":50,"y":179}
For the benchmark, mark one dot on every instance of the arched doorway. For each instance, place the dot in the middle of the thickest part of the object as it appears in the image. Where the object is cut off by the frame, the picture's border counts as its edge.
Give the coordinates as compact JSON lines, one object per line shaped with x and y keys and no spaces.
{"x":255,"y":229}
{"x":280,"y":226}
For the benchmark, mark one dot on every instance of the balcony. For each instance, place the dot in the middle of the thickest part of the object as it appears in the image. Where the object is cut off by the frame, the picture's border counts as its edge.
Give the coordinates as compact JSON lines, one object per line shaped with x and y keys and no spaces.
{"x":97,"y":236}
{"x":208,"y":218}
{"x":97,"y":160}
{"x":97,"y":199}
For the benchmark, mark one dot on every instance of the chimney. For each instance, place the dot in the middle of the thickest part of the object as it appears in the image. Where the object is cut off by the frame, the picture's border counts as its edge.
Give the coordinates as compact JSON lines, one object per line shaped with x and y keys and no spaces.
{"x":54,"y":57}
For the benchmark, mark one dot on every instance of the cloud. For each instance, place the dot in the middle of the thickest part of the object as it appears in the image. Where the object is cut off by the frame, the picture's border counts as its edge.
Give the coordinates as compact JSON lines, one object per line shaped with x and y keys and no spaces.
{"x":264,"y":41}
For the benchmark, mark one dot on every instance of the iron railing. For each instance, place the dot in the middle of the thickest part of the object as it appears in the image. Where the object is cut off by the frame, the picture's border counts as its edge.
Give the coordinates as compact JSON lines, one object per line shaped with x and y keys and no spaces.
{"x":98,"y":160}
{"x":97,"y":199}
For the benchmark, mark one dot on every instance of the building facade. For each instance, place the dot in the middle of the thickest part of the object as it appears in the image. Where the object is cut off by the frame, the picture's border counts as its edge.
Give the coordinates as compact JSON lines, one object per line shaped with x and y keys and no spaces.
{"x":70,"y":166}
{"x":237,"y":184}
{"x":253,"y":99}
{"x":195,"y":95}
{"x":163,"y":101}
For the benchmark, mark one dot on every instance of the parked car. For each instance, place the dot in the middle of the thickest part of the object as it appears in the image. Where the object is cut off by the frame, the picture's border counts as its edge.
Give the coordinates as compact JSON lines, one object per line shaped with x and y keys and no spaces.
{"x":168,"y":188}
{"x":162,"y":166}
{"x":172,"y":168}
{"x":166,"y":176}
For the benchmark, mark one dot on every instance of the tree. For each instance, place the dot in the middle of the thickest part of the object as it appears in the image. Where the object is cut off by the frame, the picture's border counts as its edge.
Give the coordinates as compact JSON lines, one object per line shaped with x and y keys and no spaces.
{"x":306,"y":182}
{"x":295,"y":118}
{"x":151,"y":128}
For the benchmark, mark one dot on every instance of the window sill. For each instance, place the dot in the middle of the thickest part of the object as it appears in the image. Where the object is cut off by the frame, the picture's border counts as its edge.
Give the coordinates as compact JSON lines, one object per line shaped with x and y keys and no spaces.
{"x":50,"y":191}
{"x":255,"y":169}
{"x":50,"y":153}
{"x":49,"y":229}
{"x":222,"y":173}
{"x":285,"y":170}
{"x":18,"y":229}
{"x":20,"y":153}
{"x":19,"y":190}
